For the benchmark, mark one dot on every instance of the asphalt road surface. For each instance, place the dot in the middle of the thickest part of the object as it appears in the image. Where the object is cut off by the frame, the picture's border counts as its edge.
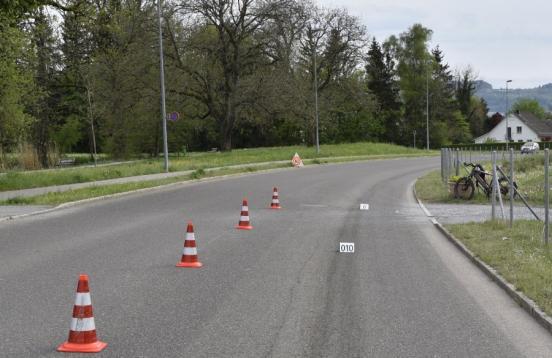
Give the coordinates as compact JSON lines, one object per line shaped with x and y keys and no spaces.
{"x":280,"y":290}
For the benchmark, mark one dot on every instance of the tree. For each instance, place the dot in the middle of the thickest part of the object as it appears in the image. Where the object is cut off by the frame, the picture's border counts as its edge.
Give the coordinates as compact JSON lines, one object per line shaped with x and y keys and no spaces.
{"x":124,"y":79}
{"x":12,"y":11}
{"x":465,"y":89}
{"x":529,"y":105}
{"x":414,"y":68}
{"x":45,"y":72}
{"x":330,"y":51}
{"x":15,"y":83}
{"x":382,"y":83}
{"x":443,"y":105}
{"x":77,"y":49}
{"x":237,"y":27}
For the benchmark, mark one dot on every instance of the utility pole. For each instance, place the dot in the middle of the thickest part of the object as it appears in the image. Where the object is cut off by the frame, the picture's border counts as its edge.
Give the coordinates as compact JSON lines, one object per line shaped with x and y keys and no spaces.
{"x":427,"y":108}
{"x":162,"y":75}
{"x":506,"y":115}
{"x":316,"y":91}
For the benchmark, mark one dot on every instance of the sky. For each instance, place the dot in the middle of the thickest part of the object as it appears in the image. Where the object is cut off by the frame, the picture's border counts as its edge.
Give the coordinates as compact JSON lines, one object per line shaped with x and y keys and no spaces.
{"x":500,"y":40}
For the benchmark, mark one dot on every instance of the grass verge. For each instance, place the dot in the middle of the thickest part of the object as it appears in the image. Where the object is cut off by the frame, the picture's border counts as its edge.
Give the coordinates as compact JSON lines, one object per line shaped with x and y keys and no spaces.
{"x":530,"y":181}
{"x":193,"y":161}
{"x":431,"y":189}
{"x":57,"y":198}
{"x":518,"y":254}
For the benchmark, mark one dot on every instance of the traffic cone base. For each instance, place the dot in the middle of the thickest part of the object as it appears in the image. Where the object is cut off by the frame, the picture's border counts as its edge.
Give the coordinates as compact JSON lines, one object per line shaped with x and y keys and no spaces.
{"x":95,"y":347}
{"x":189,"y":264}
{"x":244,"y":227}
{"x":275,"y":207}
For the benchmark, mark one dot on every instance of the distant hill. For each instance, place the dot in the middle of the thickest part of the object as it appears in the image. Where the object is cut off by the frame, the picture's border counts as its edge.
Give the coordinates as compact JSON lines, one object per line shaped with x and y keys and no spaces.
{"x":496,"y":99}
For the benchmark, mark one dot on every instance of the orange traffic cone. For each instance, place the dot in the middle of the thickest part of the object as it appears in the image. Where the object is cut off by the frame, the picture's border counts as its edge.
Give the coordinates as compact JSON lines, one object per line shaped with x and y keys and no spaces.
{"x":244,"y":223}
{"x":189,"y":255}
{"x":275,"y":204}
{"x":82,"y":334}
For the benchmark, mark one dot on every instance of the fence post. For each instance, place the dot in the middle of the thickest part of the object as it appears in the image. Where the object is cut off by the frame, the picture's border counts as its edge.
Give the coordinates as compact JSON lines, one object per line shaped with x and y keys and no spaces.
{"x":447,"y":162}
{"x":512,"y":189}
{"x":493,"y":191}
{"x":442,"y":165}
{"x":450,"y":162}
{"x":546,"y":194}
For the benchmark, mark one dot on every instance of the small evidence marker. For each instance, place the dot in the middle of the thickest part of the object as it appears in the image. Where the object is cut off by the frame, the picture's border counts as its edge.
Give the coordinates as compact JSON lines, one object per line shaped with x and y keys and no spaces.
{"x":364,"y":206}
{"x":346,"y":247}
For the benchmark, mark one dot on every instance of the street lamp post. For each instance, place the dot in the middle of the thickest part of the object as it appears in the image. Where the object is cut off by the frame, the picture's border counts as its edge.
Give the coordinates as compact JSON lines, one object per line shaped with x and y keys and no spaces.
{"x":427,"y":108}
{"x":316,"y":102}
{"x":314,"y":34}
{"x":506,"y":115}
{"x":162,"y":76}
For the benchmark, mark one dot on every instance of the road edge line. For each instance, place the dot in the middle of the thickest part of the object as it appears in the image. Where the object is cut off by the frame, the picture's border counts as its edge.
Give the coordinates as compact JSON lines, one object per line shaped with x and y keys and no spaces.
{"x":520,"y":298}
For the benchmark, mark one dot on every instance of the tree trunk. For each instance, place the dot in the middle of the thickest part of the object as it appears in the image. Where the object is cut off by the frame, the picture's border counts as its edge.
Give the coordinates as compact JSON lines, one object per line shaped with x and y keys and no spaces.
{"x":226,"y":132}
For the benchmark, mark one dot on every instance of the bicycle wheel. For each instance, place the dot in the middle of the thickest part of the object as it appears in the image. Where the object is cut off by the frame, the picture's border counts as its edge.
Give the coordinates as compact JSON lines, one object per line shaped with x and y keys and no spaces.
{"x":464,"y":189}
{"x":504,"y":186}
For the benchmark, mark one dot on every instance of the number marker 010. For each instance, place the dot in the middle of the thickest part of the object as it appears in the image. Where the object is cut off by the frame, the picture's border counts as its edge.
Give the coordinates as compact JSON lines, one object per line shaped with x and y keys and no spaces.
{"x":347,"y":247}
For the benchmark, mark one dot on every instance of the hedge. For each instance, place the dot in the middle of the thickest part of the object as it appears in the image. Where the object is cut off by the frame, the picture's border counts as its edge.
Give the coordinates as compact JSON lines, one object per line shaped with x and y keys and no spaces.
{"x":495,"y":146}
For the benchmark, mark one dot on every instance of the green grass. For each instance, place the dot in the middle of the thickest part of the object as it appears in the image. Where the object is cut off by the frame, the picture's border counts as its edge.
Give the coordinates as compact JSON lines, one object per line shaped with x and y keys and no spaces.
{"x":431,"y":189}
{"x":518,"y":254}
{"x":194,"y":161}
{"x":56,"y":198}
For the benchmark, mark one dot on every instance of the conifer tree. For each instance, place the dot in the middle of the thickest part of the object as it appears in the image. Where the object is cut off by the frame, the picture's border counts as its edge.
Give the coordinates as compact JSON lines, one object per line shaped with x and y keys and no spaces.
{"x":382,"y":83}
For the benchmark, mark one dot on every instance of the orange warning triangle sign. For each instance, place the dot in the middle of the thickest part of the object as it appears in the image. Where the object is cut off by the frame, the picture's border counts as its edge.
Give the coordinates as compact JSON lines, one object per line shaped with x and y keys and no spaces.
{"x":296,"y":161}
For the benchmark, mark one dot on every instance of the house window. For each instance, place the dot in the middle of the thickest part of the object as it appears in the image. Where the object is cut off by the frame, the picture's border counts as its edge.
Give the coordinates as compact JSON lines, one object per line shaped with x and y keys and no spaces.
{"x":518,"y":130}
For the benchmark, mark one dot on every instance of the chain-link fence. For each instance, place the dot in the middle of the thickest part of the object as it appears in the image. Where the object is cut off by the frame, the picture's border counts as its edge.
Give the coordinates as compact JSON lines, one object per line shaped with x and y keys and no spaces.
{"x":463,"y":170}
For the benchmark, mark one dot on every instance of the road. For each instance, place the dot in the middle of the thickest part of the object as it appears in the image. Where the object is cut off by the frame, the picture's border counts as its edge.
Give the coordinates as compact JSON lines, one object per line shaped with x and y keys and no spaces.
{"x":280,"y":290}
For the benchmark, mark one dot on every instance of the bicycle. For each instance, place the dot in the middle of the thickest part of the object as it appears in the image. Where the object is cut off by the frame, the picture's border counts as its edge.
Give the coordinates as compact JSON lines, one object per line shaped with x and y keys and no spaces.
{"x":465,"y":187}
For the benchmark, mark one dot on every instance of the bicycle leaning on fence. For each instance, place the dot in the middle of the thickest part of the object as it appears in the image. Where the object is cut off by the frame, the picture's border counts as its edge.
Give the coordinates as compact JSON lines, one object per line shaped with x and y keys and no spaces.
{"x":477,"y":177}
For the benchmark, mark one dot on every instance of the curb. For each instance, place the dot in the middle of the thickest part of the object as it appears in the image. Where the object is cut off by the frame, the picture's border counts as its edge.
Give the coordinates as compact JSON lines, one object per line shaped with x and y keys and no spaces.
{"x":525,"y":302}
{"x":143,"y":190}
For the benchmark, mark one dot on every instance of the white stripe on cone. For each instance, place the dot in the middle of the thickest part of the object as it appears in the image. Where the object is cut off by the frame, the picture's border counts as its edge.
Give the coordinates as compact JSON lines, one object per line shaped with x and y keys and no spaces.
{"x":83,"y":299}
{"x":190,"y":251}
{"x":245,"y":208}
{"x":190,"y":236}
{"x":244,"y":218}
{"x":82,"y":324}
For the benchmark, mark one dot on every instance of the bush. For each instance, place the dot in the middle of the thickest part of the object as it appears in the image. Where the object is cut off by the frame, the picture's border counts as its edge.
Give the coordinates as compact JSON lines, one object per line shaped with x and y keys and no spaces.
{"x":197,"y":174}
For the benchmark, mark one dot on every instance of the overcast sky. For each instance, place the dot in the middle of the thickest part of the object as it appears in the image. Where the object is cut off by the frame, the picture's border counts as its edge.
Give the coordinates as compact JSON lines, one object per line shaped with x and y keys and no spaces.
{"x":500,"y":40}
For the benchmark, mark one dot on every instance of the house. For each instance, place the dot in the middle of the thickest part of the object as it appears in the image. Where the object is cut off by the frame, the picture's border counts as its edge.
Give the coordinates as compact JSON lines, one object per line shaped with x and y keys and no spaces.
{"x":522,"y":127}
